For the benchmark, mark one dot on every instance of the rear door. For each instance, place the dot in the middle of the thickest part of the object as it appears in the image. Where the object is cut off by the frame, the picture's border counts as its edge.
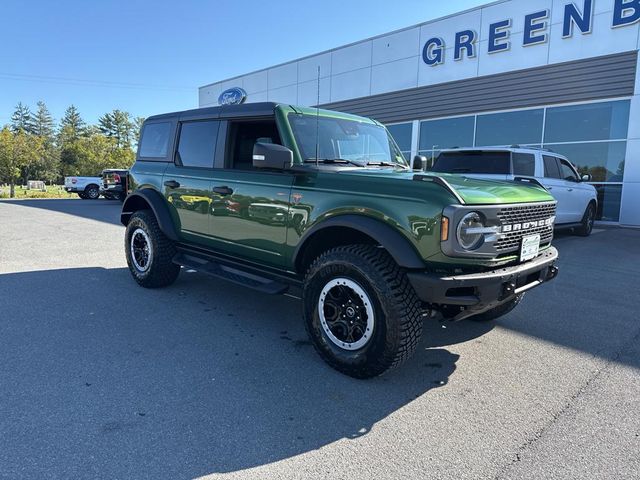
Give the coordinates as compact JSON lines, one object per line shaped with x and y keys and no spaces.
{"x":187,"y":182}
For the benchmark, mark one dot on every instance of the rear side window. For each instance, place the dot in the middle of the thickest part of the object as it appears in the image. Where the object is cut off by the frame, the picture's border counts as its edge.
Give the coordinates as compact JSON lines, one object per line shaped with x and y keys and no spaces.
{"x":473,"y":162}
{"x":551,"y":169}
{"x":524,"y":164}
{"x":197,"y":144}
{"x":155,"y":140}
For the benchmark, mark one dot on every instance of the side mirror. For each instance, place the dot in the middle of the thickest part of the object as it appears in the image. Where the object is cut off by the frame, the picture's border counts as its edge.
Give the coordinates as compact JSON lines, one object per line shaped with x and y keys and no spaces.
{"x":587,"y":178}
{"x":270,"y":155}
{"x":419,"y":163}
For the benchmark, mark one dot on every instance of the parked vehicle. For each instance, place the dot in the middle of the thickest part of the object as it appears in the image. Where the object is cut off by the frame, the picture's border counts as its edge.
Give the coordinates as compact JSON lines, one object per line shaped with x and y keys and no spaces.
{"x":577,"y":200}
{"x":85,"y":187}
{"x":114,"y":184}
{"x":322,"y":206}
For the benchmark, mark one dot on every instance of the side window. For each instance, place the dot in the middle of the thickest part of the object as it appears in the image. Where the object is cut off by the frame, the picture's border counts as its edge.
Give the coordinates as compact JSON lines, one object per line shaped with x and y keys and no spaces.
{"x":551,"y":169}
{"x":524,"y":164}
{"x":244,"y":136}
{"x":197,"y":144}
{"x":155,"y":140}
{"x":567,"y":172}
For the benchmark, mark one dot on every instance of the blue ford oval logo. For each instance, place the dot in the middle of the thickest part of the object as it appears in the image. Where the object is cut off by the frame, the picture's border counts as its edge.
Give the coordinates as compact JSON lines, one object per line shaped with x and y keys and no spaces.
{"x":232,"y":96}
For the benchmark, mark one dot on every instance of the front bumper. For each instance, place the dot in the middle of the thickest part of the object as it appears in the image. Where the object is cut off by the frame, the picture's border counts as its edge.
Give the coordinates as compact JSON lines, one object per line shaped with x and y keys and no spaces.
{"x":472,"y":294}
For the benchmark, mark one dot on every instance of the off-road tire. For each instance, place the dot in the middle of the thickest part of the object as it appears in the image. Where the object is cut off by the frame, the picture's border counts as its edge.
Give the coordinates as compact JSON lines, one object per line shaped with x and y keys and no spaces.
{"x":499,"y":311}
{"x":397,"y":313}
{"x":162,"y":271}
{"x":92,"y":192}
{"x":587,"y":221}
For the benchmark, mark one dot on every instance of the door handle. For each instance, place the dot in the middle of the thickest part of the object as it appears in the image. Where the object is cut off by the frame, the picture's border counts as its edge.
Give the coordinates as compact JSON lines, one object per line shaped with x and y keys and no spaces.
{"x":549,"y":188}
{"x":223,"y":190}
{"x":569,"y":189}
{"x":171,"y":184}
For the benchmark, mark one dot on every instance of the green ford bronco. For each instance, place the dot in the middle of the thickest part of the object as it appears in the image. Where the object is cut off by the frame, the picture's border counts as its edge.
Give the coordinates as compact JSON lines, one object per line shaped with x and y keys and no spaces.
{"x":322,"y":206}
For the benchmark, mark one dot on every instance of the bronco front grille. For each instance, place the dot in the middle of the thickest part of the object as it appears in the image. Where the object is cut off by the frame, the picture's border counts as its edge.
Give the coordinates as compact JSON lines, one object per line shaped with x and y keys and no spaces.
{"x":524,"y":220}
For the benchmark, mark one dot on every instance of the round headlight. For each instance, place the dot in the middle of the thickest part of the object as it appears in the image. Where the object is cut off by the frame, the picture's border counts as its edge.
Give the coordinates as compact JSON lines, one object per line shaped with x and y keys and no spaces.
{"x":467,"y":238}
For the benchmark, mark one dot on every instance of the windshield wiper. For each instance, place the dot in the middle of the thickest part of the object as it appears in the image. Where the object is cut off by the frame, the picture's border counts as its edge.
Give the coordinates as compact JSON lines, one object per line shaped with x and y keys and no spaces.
{"x":334,"y":160}
{"x":388,"y":164}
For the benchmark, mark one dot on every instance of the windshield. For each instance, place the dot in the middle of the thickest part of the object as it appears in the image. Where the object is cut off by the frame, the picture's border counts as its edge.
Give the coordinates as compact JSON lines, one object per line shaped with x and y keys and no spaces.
{"x":473,"y":162}
{"x":351,"y":141}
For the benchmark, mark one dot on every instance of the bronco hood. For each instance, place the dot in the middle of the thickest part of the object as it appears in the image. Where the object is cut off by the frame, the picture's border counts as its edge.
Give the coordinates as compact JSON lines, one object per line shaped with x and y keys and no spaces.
{"x":473,"y":191}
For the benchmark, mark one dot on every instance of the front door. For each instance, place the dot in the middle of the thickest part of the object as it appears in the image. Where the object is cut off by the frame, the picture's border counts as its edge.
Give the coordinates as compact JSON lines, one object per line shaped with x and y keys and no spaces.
{"x":188,"y":181}
{"x":577,"y":195}
{"x":250,"y":207}
{"x":557,"y":187}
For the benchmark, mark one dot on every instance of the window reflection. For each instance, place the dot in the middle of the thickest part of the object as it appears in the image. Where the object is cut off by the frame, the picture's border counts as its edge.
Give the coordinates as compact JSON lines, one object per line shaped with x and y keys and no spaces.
{"x":401,"y":133}
{"x":447,"y":133}
{"x":603,"y":160}
{"x":595,"y":121}
{"x":509,"y":128}
{"x":609,"y":199}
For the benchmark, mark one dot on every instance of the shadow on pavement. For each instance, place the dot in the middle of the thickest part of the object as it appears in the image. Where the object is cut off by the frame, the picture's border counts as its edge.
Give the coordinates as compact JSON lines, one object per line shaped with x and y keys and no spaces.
{"x":593,"y":304}
{"x":102,"y":210}
{"x":101,"y":378}
{"x":190,"y":380}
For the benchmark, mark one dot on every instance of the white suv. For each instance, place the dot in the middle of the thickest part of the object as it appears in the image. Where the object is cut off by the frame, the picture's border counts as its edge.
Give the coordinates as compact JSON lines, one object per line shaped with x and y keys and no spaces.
{"x":577,"y":200}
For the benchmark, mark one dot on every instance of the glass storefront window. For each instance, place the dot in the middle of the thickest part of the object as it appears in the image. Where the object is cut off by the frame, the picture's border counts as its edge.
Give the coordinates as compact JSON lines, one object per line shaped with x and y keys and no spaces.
{"x":446,"y":133}
{"x":609,"y":200}
{"x":594,"y":121}
{"x":603,"y":160}
{"x":510,"y":128}
{"x":592,"y":136}
{"x":401,"y":133}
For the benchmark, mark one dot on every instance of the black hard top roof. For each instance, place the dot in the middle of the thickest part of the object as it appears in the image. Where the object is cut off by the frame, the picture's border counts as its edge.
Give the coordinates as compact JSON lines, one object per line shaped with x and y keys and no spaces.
{"x":260,"y":109}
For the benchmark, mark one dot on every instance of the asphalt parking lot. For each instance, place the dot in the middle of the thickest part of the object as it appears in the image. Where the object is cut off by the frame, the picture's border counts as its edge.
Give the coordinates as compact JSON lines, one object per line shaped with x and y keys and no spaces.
{"x":100,"y":378}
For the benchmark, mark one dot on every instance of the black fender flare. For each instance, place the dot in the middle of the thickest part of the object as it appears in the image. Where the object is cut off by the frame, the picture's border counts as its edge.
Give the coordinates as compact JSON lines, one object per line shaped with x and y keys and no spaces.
{"x":398,"y":246}
{"x":158,"y":206}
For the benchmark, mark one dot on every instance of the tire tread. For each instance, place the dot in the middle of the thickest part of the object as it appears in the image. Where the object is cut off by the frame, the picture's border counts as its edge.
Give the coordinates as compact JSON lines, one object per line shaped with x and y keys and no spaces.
{"x":395,"y":288}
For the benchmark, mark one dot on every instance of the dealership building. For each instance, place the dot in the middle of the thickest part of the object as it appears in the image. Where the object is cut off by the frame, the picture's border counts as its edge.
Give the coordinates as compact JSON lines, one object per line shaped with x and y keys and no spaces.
{"x":555,"y":74}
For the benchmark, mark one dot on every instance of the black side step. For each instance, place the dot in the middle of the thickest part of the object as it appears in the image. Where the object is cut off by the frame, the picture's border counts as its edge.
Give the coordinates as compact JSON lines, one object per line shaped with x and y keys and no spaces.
{"x":216,"y":269}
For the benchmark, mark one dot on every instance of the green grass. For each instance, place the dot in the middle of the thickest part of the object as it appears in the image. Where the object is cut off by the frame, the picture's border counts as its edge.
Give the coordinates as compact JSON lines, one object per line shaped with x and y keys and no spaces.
{"x":53,"y":191}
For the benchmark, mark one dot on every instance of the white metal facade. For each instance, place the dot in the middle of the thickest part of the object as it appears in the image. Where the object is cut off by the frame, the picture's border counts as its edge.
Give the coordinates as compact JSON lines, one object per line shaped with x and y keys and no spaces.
{"x":395,"y":62}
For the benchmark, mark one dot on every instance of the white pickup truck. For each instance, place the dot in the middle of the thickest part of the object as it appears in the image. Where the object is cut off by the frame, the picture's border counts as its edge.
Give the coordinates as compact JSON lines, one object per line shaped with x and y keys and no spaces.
{"x":85,"y":187}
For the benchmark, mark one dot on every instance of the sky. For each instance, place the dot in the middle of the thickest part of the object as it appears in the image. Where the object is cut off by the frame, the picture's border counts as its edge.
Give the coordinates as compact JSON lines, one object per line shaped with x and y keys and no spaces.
{"x":149,"y":57}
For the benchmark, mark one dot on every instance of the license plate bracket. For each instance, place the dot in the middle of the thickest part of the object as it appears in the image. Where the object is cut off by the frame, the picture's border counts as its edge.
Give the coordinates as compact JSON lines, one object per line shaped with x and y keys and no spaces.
{"x":530,"y":247}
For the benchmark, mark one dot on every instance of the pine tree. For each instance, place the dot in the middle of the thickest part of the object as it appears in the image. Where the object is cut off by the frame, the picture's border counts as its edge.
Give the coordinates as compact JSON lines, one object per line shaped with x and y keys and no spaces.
{"x":72,"y":126}
{"x":43,"y":122}
{"x":117,"y":125}
{"x":137,"y":129}
{"x":22,"y":119}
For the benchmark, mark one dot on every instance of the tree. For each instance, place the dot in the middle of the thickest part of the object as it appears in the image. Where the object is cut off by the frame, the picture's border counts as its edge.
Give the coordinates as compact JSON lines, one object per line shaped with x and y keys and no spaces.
{"x":118,"y":125}
{"x":137,"y":129}
{"x":72,"y":126}
{"x":18,"y":151}
{"x":91,"y":154}
{"x":43,"y":124}
{"x":22,"y":119}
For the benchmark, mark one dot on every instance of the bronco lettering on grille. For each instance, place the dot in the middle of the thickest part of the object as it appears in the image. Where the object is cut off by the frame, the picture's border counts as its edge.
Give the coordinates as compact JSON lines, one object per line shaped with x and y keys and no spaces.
{"x":527,"y":225}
